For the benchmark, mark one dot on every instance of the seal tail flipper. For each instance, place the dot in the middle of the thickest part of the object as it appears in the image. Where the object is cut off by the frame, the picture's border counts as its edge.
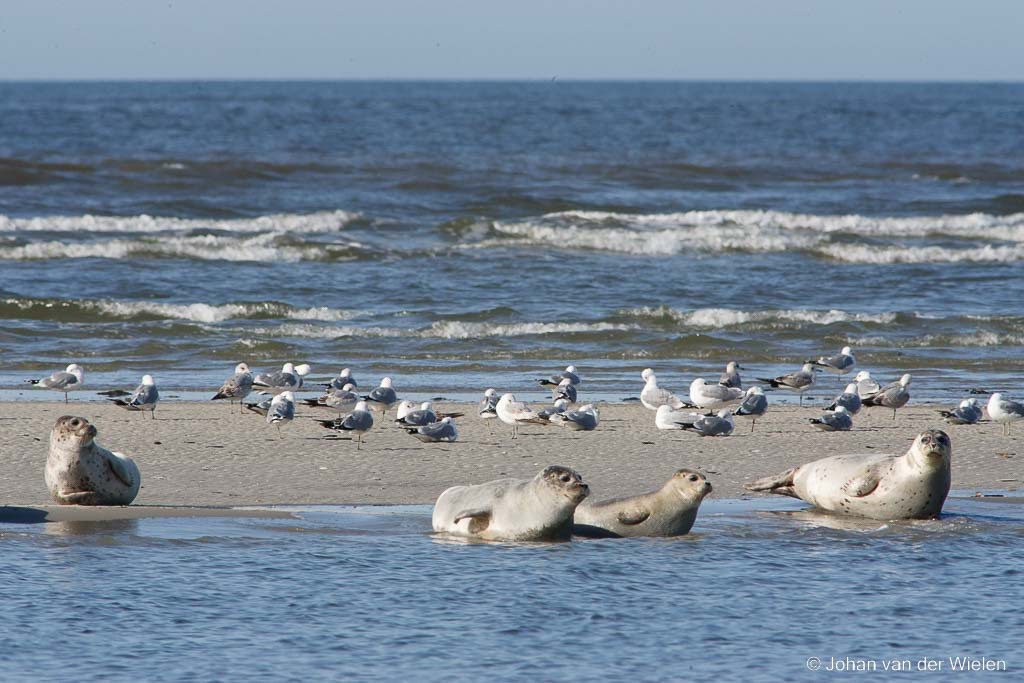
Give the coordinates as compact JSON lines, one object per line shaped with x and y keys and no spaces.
{"x":119,"y":469}
{"x":480,"y":519}
{"x":781,"y":484}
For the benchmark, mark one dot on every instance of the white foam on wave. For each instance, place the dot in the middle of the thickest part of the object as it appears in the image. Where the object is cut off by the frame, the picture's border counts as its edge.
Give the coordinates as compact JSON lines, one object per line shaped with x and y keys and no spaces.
{"x":978,"y":338}
{"x":857,"y":253}
{"x":439,"y":330}
{"x":323,"y":221}
{"x":203,"y":247}
{"x":978,"y":225}
{"x":714,"y":318}
{"x":209,"y":313}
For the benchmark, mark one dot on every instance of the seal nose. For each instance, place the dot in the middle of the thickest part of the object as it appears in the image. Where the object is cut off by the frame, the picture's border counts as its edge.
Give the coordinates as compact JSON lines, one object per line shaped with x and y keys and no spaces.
{"x":707,"y":487}
{"x":91,"y":431}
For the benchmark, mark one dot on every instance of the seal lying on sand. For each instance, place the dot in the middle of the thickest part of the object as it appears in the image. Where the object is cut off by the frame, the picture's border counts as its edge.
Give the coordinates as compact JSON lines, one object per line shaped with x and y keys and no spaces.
{"x":669,"y":511}
{"x":81,"y":472}
{"x":910,"y":486}
{"x":538,"y":509}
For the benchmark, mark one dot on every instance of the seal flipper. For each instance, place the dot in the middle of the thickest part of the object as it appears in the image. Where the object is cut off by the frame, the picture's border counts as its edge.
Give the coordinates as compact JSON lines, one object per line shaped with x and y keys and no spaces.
{"x":634,"y":516}
{"x":862,"y":484}
{"x":781,"y":484}
{"x":119,"y":469}
{"x":480,"y":519}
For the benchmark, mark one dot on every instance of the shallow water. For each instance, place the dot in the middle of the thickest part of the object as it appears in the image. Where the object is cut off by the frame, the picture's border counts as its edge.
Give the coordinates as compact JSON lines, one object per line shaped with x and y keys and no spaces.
{"x":464,"y":235}
{"x":369,"y":593}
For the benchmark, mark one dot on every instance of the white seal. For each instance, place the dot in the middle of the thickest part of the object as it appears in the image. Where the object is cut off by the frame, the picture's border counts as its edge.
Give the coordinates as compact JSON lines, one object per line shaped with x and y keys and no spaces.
{"x":669,"y":511}
{"x":538,"y":509}
{"x":909,"y":486}
{"x":81,"y":472}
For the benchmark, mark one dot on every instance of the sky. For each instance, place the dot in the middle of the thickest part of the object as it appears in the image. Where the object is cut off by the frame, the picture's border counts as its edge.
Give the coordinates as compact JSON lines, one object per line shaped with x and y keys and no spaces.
{"x":521,"y":39}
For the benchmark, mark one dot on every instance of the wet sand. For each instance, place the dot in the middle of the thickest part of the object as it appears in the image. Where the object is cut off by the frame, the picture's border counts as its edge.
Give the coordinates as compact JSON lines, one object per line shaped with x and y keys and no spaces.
{"x":207,"y":454}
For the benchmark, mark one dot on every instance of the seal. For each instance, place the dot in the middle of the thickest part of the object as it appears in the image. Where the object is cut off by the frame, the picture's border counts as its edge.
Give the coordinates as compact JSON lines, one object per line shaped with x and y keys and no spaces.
{"x":669,"y":511}
{"x":538,"y":509}
{"x":81,"y":472}
{"x":909,"y":486}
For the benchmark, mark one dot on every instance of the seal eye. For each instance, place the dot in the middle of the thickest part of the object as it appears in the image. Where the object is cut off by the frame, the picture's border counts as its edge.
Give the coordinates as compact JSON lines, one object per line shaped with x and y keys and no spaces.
{"x":75,"y":422}
{"x":565,"y":478}
{"x":693,"y":477}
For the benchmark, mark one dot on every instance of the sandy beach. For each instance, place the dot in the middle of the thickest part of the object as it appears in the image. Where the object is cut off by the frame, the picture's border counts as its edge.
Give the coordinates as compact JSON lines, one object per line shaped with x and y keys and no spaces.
{"x":207,"y":454}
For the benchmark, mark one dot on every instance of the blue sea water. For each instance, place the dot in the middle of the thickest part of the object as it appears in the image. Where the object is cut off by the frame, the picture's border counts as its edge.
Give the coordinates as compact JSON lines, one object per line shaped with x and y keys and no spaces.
{"x":757,"y":590}
{"x":462,"y":235}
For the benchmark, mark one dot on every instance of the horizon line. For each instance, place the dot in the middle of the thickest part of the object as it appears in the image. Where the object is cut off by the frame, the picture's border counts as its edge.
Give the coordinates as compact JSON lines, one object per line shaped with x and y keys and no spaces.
{"x":553,"y":79}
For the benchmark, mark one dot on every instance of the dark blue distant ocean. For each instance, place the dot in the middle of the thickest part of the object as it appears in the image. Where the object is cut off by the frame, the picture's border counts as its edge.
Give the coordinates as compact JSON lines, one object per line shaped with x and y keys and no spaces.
{"x":463,"y":235}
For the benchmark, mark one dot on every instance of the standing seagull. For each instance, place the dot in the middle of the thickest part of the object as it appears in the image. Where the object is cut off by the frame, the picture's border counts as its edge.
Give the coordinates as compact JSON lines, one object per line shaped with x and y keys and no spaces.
{"x":288,"y":378}
{"x":565,"y":390}
{"x":383,"y":397}
{"x":358,"y":421}
{"x":754,"y":405}
{"x":569,"y":373}
{"x":866,"y":385}
{"x":513,"y":412}
{"x":849,"y":399}
{"x":69,"y":379}
{"x":713,"y":425}
{"x":282,"y":410}
{"x":840,"y":364}
{"x":838,"y":420}
{"x":344,"y":377}
{"x":967,"y":413}
{"x":799,"y":381}
{"x":236,"y":388}
{"x":707,"y":396}
{"x":653,"y":396}
{"x":893,"y":395}
{"x":144,"y":397}
{"x":731,"y":376}
{"x":1004,"y":411}
{"x":488,"y":405}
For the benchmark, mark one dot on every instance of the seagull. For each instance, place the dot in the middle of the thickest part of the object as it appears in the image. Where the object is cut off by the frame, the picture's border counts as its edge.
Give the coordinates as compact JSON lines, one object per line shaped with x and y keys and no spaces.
{"x":866,"y":385}
{"x":436,"y":431}
{"x":383,"y":397}
{"x":282,"y":410}
{"x":1004,"y":411}
{"x":667,"y":418}
{"x":488,"y":404}
{"x":799,"y":381}
{"x":418,"y":418}
{"x":358,"y":421}
{"x":569,"y":373}
{"x":893,"y":395}
{"x":565,"y":390}
{"x":707,"y":396}
{"x":344,"y":377}
{"x":559,"y":406}
{"x":840,"y":364}
{"x":713,"y":425}
{"x":513,"y":412}
{"x":288,"y":378}
{"x":69,"y":379}
{"x":144,"y":397}
{"x":838,"y":420}
{"x":754,"y":405}
{"x":583,"y":420}
{"x":967,"y":413}
{"x":849,"y":399}
{"x":731,"y":376}
{"x":653,"y":396}
{"x":342,"y":400}
{"x":236,"y":388}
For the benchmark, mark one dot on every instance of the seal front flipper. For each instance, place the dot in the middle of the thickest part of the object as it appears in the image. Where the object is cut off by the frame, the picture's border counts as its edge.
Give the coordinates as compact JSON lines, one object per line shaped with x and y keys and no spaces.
{"x":480,"y":519}
{"x":781,"y":484}
{"x":862,"y":484}
{"x":633,"y":516}
{"x":120,"y":470}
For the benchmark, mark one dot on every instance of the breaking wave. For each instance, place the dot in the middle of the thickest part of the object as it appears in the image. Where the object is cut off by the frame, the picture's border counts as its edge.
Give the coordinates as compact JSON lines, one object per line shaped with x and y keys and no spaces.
{"x":105,"y":310}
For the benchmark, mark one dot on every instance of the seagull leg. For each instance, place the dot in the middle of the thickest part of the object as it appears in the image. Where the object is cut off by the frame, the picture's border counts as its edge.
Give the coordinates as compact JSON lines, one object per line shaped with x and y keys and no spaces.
{"x":752,"y":423}
{"x":894,"y":413}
